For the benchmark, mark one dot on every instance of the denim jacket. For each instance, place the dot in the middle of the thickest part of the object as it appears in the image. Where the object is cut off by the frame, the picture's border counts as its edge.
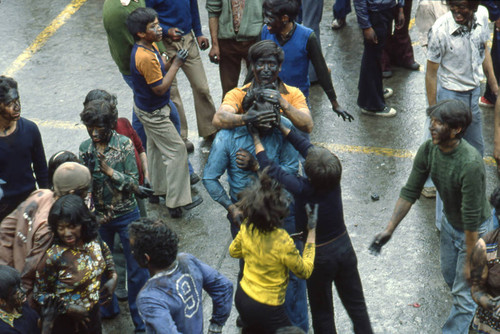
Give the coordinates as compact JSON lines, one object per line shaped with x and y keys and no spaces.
{"x":363,"y":7}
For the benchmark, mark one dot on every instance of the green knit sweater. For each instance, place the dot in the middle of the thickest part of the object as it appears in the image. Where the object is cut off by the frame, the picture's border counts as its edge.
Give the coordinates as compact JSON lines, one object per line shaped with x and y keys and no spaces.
{"x":460,"y":179}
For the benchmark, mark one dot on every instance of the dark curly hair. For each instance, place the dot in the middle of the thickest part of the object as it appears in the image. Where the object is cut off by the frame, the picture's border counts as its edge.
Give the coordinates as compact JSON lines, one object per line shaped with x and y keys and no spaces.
{"x":264,"y":203}
{"x":265,"y":48}
{"x":6,"y":84}
{"x":72,"y":209}
{"x":9,"y":281}
{"x":99,"y":112}
{"x":323,"y":169}
{"x":57,"y":160}
{"x":139,"y":19}
{"x":283,"y":7}
{"x":471,"y":4}
{"x":155,"y":238}
{"x":101,"y":94}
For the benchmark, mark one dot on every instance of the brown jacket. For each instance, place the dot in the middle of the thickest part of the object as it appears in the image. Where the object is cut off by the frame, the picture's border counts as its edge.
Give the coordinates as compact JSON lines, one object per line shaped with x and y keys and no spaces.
{"x":25,"y":236}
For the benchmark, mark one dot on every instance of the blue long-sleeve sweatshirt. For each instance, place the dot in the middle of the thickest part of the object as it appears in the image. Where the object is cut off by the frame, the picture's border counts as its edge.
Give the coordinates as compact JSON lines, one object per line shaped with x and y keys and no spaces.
{"x":18,"y":151}
{"x":182,"y":14}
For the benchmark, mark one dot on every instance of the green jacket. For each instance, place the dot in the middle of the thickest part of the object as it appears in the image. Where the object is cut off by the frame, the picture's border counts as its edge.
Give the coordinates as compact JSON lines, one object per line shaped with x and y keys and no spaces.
{"x":118,"y":190}
{"x":251,"y":22}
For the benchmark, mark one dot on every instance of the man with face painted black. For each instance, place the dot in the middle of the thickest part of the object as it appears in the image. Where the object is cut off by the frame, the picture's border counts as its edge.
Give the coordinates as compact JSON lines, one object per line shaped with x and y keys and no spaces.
{"x":21,"y":148}
{"x":259,"y":104}
{"x":457,"y":170}
{"x":110,"y":157}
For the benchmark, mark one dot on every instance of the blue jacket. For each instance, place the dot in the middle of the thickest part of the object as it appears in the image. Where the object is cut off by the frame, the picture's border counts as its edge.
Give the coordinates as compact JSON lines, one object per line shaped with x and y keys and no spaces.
{"x":295,"y":67}
{"x":223,"y":157}
{"x":493,"y":9}
{"x":363,"y":7}
{"x":171,"y":301}
{"x":183,"y":14}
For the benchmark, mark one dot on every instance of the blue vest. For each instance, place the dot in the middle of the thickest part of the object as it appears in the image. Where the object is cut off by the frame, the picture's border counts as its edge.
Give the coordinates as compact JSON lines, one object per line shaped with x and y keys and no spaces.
{"x":295,"y":67}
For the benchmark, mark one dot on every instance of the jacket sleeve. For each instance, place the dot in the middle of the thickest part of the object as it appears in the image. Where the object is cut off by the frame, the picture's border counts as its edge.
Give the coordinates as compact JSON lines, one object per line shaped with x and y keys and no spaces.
{"x":301,"y":266}
{"x":128,"y":179}
{"x":235,"y":247}
{"x":290,"y":182}
{"x":216,"y":166}
{"x":221,"y":291}
{"x":214,"y":8}
{"x":42,"y":241}
{"x":361,"y":7}
{"x":39,"y":161}
{"x":195,"y":17}
{"x":7,"y":235}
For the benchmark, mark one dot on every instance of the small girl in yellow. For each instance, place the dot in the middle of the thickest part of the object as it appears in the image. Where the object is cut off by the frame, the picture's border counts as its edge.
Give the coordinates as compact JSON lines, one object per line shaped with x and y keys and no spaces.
{"x":269,"y":252}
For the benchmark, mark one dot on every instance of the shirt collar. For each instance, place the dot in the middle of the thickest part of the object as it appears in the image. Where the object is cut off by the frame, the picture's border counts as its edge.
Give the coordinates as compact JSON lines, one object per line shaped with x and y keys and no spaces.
{"x":455,"y":29}
{"x":113,"y":143}
{"x":9,"y":317}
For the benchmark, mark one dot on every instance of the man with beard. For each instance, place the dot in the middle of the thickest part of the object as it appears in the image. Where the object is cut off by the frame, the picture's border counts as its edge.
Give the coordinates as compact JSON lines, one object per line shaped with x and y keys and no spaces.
{"x":457,"y":170}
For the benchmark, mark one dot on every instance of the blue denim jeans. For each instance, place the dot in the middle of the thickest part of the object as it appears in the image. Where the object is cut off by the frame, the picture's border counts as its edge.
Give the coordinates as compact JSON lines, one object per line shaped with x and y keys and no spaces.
{"x":139,"y":128}
{"x":136,"y":276}
{"x":453,"y":254}
{"x":341,"y":8}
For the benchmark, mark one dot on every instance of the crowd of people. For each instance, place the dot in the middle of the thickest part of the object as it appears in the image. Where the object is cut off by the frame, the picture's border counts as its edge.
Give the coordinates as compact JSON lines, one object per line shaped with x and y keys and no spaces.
{"x":61,"y":220}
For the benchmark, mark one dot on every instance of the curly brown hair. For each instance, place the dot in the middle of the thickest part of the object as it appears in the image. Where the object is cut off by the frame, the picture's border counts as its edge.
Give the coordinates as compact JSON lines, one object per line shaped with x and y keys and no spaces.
{"x":264,"y":203}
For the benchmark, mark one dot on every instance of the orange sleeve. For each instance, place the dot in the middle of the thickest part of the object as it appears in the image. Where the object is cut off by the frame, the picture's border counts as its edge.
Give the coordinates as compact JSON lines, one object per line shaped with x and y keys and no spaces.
{"x":296,"y":98}
{"x":234,"y":98}
{"x":148,"y":65}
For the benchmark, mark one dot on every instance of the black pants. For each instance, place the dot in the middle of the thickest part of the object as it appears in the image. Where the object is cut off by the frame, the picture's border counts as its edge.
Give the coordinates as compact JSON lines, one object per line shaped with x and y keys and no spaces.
{"x":65,"y":324}
{"x":336,"y":262}
{"x":495,"y":59}
{"x":259,"y":318}
{"x":371,"y":90}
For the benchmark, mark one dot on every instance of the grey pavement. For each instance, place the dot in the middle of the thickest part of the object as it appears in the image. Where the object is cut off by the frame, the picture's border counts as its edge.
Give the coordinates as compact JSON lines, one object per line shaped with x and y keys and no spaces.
{"x":76,"y":59}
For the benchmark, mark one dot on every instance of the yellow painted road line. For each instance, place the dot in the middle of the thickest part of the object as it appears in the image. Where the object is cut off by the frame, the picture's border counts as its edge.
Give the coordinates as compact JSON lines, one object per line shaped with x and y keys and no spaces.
{"x":380,"y":151}
{"x":42,"y":38}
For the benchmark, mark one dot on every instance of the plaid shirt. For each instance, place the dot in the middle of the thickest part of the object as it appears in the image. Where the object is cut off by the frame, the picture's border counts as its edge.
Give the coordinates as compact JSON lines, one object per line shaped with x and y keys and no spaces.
{"x":118,"y":190}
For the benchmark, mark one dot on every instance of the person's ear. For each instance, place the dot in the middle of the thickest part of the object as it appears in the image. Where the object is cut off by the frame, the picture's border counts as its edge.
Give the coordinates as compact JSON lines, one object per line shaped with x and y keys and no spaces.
{"x":285,"y":19}
{"x":456,"y":131}
{"x":141,"y":35}
{"x":147,"y":257}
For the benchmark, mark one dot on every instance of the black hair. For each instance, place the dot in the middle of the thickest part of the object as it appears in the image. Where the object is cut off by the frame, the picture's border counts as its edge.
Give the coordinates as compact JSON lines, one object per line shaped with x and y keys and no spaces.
{"x":453,"y":113}
{"x":57,"y":160}
{"x":101,"y":94}
{"x":265,"y":48}
{"x":323,"y":168}
{"x":495,"y":199}
{"x":280,"y":8}
{"x":471,"y":4}
{"x":264,"y":203}
{"x":155,"y":238}
{"x":138,"y":20}
{"x":72,"y":209}
{"x":6,"y":84}
{"x":99,"y":112}
{"x":10,"y":280}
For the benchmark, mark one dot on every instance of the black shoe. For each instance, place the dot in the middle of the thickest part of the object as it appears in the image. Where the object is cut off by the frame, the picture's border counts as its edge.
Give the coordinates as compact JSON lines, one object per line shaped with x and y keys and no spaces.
{"x":121,"y":294}
{"x":196,"y":200}
{"x":155,"y":199}
{"x":239,"y":322}
{"x":175,"y":212}
{"x":386,"y":74}
{"x":189,"y":146}
{"x":194,"y":179}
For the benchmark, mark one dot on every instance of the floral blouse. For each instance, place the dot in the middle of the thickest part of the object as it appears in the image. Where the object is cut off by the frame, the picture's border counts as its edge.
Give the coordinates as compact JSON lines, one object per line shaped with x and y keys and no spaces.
{"x":74,"y":274}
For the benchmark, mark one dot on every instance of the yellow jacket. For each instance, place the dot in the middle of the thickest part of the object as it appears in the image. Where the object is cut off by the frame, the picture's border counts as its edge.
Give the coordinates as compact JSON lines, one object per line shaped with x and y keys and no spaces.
{"x":268,"y":257}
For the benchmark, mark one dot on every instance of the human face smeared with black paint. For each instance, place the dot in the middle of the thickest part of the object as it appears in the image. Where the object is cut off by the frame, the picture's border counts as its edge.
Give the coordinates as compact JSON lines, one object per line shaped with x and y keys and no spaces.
{"x":99,"y":133}
{"x":441,"y":133}
{"x":273,"y":22}
{"x":461,"y":12}
{"x":70,"y":234}
{"x":266,"y":70}
{"x":10,"y":110}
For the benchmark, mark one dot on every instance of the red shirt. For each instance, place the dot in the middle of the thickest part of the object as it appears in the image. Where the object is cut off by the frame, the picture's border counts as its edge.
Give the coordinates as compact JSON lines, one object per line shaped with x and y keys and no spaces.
{"x":124,"y":128}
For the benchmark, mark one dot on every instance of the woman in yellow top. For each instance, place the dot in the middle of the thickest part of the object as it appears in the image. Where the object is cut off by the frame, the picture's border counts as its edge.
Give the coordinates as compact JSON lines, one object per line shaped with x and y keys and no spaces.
{"x":269,"y":252}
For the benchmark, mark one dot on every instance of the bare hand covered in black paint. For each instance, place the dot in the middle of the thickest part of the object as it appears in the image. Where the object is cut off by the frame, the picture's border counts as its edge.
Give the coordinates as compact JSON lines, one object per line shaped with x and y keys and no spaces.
{"x":380,"y":240}
{"x":312,"y":216}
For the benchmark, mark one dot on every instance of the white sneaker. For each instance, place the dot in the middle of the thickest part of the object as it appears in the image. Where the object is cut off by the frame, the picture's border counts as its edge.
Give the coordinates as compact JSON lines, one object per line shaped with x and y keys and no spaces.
{"x":388,"y":92}
{"x":386,"y":112}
